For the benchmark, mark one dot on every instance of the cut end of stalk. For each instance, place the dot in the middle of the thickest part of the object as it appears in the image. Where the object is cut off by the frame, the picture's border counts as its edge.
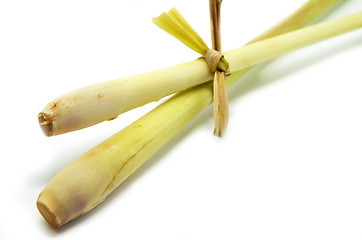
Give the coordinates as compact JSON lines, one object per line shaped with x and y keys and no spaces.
{"x":48,"y":214}
{"x":46,"y":124}
{"x":217,"y":133}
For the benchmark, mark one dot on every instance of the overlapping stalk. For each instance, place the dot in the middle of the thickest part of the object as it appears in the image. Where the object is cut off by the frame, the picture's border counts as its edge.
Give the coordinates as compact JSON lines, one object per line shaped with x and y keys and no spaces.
{"x":92,"y":177}
{"x":91,"y":105}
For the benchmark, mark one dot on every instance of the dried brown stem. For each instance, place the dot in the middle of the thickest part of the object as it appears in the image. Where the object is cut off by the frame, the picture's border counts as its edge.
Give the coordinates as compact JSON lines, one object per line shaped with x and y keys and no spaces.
{"x":215,"y":6}
{"x":221,"y":107}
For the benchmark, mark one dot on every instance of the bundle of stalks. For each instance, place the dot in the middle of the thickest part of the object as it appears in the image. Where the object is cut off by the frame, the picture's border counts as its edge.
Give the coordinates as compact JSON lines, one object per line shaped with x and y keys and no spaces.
{"x":88,"y":180}
{"x":173,"y":23}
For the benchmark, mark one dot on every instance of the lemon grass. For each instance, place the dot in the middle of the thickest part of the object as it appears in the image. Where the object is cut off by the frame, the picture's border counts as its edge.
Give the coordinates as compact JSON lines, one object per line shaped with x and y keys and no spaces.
{"x":88,"y":180}
{"x":105,"y":101}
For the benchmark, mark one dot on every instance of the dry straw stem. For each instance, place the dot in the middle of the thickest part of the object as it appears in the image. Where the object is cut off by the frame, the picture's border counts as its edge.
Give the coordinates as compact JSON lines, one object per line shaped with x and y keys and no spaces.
{"x":221,"y":106}
{"x":105,"y":101}
{"x":89,"y":179}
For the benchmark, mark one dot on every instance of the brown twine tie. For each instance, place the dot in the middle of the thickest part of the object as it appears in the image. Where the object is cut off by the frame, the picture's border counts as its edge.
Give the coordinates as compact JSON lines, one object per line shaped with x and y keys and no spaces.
{"x":221,"y":107}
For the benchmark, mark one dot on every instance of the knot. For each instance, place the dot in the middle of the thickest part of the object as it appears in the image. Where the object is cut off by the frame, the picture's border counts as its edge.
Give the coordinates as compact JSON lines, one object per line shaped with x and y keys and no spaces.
{"x":174,"y":23}
{"x":216,"y":61}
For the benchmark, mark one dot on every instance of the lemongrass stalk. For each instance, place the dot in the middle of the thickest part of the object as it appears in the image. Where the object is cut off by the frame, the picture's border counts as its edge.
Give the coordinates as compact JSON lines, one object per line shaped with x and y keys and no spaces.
{"x":89,"y":179}
{"x":105,"y":101}
{"x":301,"y":17}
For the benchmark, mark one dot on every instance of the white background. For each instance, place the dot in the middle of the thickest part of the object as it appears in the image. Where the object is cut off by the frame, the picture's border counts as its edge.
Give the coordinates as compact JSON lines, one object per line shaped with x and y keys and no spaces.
{"x":289,"y":167}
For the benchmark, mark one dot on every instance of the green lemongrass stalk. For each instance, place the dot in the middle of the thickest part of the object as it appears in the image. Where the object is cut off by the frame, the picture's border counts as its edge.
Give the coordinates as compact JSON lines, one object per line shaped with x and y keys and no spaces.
{"x":89,"y":179}
{"x":302,"y":16}
{"x":105,"y":101}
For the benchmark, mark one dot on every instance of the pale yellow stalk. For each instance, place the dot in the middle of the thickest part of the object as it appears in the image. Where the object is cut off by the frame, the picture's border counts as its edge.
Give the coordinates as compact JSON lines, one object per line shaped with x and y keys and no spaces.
{"x":89,"y":179}
{"x":105,"y":101}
